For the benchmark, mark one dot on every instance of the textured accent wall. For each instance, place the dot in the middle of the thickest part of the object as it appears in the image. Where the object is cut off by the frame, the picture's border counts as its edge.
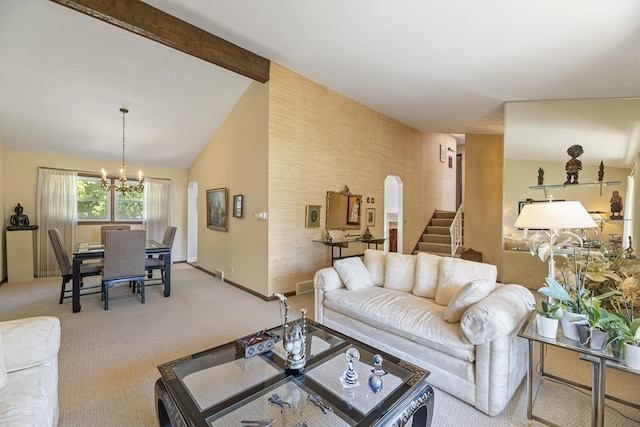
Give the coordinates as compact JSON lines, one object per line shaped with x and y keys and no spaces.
{"x":321,"y":140}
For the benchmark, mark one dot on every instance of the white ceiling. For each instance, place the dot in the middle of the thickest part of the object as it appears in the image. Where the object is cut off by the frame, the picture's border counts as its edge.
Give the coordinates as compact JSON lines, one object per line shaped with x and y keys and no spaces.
{"x":439,"y":66}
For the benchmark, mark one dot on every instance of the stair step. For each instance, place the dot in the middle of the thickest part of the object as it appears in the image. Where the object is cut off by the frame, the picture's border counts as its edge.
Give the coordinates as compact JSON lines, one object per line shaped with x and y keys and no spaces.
{"x":435,"y":247}
{"x":444,"y":214}
{"x":433,"y":229}
{"x":436,"y":238}
{"x":441,"y":222}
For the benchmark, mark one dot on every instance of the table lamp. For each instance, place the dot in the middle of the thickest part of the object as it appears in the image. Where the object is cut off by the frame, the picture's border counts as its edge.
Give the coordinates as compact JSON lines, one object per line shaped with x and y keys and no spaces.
{"x":553,"y":219}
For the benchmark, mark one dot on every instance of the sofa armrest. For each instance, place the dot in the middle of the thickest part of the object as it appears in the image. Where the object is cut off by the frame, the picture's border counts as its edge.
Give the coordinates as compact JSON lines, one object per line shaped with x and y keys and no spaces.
{"x":29,"y":342}
{"x":324,"y":280}
{"x":498,"y":315}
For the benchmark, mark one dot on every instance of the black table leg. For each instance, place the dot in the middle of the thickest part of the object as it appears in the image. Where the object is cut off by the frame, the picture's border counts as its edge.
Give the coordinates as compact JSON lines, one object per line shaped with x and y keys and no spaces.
{"x":76,"y":285}
{"x":167,"y":274}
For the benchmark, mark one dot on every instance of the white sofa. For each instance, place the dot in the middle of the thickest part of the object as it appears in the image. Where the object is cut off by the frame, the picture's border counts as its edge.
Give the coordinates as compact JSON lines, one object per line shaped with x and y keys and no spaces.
{"x":29,"y":372}
{"x":446,"y":315}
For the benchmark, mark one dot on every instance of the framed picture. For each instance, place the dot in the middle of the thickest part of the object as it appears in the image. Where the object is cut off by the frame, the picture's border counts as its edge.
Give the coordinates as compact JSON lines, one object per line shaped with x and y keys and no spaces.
{"x":217,"y":209}
{"x":237,"y":205}
{"x":313,"y":216}
{"x":443,"y":153}
{"x":353,"y":210}
{"x":371,"y":217}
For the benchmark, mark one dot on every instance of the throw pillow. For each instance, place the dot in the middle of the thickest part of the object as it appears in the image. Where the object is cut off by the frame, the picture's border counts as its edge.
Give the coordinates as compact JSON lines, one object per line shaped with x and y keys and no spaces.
{"x":455,"y":273}
{"x":400,"y":272}
{"x":427,"y":270}
{"x":3,"y":370}
{"x":469,"y":294}
{"x":353,"y":273}
{"x":375,"y":262}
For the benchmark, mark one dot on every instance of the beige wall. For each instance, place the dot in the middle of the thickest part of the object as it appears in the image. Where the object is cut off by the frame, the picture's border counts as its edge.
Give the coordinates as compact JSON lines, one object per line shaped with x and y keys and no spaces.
{"x":484,"y":158}
{"x":5,"y":219}
{"x":21,"y":177}
{"x":521,"y":174}
{"x":320,"y":140}
{"x":237,"y":158}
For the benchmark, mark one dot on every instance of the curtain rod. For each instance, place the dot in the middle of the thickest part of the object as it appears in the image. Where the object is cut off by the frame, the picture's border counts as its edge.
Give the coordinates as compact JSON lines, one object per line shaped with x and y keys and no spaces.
{"x":92,"y":173}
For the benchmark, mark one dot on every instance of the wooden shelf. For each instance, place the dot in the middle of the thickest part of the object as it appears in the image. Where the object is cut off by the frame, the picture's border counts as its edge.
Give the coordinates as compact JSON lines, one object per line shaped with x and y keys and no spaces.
{"x":588,"y":184}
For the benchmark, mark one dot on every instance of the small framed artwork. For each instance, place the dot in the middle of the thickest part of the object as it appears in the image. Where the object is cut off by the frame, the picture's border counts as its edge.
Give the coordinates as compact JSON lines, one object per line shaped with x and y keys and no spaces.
{"x":443,"y":153}
{"x":238,"y":200}
{"x":371,"y":217}
{"x":313,"y":216}
{"x":217,"y":209}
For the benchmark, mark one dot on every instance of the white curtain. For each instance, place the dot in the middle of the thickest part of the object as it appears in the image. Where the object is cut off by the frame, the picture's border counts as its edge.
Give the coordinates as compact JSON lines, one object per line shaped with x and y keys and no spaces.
{"x":629,"y":203}
{"x":157,"y":207}
{"x":55,"y":208}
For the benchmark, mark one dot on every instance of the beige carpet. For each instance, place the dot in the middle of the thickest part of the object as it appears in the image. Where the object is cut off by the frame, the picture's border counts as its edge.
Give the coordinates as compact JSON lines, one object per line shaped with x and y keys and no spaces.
{"x":108,"y":359}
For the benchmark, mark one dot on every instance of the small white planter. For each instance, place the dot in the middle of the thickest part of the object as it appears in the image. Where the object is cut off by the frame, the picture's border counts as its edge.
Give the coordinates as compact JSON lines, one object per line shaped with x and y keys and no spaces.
{"x":547,"y":327}
{"x":569,"y":328}
{"x":631,"y":356}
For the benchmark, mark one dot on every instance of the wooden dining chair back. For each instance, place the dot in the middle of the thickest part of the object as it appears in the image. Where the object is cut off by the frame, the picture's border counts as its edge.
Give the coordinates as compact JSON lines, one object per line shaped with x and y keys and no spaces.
{"x":66,"y":268}
{"x":106,"y":228}
{"x":124,"y":255}
{"x":158,"y":263}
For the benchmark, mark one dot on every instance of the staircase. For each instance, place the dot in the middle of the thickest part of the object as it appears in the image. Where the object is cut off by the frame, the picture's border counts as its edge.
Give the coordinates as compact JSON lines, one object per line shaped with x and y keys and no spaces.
{"x":436,"y":238}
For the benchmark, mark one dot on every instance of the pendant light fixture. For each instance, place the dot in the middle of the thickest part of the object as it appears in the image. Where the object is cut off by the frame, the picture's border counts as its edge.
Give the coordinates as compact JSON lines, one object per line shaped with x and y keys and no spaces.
{"x":123,"y":187}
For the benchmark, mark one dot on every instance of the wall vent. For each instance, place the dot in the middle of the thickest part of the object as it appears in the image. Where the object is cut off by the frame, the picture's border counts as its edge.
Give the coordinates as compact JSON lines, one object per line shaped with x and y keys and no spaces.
{"x":304,"y":287}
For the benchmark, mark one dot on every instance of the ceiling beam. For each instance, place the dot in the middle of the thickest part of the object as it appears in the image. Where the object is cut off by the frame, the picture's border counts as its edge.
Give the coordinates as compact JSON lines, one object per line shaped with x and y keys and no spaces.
{"x":154,"y":24}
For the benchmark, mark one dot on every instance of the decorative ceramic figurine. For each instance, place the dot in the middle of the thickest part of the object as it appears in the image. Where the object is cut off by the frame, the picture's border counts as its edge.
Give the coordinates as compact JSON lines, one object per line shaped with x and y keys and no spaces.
{"x":540,"y":176}
{"x":601,"y":171}
{"x":294,"y":338}
{"x":616,"y":205}
{"x":375,"y":380}
{"x":350,"y":376}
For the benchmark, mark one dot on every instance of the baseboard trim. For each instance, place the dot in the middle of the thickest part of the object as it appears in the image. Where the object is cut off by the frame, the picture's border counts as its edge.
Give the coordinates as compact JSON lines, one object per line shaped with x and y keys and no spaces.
{"x":239,"y":286}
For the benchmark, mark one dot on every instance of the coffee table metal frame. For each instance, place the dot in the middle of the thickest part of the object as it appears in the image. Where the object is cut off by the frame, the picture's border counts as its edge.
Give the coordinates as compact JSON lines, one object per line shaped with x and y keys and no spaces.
{"x":413,"y":399}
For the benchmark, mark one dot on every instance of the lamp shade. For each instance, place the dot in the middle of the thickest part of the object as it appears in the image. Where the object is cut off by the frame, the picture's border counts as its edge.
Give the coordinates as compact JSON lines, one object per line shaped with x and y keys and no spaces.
{"x":554,"y":215}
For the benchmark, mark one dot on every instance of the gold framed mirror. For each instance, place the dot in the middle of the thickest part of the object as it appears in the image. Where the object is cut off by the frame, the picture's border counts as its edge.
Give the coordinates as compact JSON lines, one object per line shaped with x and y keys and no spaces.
{"x":343,"y":210}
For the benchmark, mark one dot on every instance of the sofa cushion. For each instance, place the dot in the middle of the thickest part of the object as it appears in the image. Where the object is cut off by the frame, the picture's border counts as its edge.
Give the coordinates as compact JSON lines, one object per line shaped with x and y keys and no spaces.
{"x":427,"y":270}
{"x":3,"y":370}
{"x":400,"y":272}
{"x":353,"y":273}
{"x":499,"y":314}
{"x":375,"y":261}
{"x":455,"y":273}
{"x":469,"y":294}
{"x":404,"y":314}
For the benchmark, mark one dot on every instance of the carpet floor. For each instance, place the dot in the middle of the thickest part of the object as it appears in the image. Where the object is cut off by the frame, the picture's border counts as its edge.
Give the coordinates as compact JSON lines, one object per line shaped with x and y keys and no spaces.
{"x":108,"y":359}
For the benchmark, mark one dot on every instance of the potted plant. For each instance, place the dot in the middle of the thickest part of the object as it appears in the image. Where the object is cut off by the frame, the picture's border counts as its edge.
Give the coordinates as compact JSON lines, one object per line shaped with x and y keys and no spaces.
{"x":626,"y":332}
{"x":573,"y":310}
{"x":596,"y":330}
{"x":547,"y":318}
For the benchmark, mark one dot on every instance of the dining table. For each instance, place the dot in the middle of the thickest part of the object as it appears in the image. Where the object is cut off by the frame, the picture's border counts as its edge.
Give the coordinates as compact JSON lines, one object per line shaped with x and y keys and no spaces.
{"x":95,"y":250}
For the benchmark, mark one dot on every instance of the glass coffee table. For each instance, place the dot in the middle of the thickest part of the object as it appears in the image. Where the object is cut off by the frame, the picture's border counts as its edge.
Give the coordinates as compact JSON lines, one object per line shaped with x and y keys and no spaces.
{"x":219,"y":387}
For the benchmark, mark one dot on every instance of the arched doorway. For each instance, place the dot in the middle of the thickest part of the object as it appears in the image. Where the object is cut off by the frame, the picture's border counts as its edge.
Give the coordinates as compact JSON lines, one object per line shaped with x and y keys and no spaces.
{"x":393,"y":217}
{"x":192,"y":223}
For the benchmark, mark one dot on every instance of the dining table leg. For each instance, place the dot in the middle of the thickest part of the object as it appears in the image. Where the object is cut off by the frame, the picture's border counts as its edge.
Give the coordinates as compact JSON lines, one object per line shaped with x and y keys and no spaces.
{"x":75,"y":295}
{"x":167,"y":274}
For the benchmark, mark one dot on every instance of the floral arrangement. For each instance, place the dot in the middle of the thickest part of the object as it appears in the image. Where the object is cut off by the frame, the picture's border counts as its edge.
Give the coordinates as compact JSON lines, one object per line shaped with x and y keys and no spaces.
{"x":617,"y":278}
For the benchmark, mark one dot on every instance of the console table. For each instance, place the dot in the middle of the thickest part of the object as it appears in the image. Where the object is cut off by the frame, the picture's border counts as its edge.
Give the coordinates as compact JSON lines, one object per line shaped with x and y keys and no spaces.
{"x":344,"y":243}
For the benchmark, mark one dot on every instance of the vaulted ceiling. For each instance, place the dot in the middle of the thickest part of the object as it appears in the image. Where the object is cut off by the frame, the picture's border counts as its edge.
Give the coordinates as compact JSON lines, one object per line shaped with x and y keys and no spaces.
{"x":438,"y":66}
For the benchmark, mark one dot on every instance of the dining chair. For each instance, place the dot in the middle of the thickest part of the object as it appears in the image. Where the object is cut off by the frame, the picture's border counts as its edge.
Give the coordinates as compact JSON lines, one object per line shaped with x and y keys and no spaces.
{"x":66,"y":268}
{"x":106,"y":228}
{"x":124,"y":255}
{"x":151,"y":263}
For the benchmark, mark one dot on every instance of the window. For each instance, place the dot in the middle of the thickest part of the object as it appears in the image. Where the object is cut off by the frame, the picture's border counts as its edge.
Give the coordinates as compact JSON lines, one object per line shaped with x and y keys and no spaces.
{"x":98,"y":205}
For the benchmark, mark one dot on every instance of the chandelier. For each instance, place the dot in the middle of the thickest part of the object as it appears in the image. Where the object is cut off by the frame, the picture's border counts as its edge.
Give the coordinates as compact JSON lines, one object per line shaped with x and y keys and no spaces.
{"x":123,"y":187}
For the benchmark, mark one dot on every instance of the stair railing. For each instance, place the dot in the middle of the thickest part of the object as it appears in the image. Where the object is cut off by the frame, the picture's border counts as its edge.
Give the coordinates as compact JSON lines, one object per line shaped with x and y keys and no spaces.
{"x":455,"y":230}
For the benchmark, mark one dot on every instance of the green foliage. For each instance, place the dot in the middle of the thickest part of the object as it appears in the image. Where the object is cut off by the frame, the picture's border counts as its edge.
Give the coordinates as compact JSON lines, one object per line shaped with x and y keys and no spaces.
{"x":92,"y":202}
{"x":624,"y":330}
{"x":550,"y":311}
